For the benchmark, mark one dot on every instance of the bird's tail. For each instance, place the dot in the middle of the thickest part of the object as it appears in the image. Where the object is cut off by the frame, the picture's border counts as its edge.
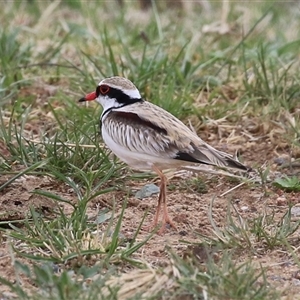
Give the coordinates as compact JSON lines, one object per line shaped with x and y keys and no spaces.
{"x":208,"y":155}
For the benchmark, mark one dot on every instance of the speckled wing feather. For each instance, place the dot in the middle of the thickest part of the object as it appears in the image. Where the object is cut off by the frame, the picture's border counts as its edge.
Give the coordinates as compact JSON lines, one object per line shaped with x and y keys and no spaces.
{"x":146,"y":128}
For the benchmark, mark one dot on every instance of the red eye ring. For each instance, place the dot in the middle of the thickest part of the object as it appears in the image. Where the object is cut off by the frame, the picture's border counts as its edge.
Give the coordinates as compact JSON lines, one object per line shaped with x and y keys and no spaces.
{"x":104,"y":89}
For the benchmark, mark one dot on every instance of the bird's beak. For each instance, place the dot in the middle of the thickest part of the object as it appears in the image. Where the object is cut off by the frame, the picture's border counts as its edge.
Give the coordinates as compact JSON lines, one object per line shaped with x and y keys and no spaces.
{"x":89,"y":97}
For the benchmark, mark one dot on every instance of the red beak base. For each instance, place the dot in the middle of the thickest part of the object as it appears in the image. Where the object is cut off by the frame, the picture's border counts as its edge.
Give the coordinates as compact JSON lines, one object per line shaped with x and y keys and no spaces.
{"x":89,"y":97}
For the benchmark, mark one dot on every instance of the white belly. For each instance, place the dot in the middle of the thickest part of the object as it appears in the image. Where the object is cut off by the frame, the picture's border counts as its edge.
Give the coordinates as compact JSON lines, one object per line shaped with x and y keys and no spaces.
{"x":136,"y":160}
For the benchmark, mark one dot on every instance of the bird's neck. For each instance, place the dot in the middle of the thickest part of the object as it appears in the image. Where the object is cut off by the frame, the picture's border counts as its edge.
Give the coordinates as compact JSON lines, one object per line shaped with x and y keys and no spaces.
{"x":115,"y":108}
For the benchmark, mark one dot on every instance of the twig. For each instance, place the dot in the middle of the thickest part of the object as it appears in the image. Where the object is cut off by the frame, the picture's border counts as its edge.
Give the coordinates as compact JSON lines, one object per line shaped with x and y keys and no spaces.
{"x":232,"y":189}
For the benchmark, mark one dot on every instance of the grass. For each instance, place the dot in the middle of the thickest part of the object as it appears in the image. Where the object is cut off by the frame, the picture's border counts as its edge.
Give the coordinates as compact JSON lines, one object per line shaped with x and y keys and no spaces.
{"x":241,"y":87}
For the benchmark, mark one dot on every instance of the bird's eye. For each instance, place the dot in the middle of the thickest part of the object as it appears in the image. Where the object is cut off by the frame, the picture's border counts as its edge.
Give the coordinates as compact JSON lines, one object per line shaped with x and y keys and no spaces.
{"x":104,"y":89}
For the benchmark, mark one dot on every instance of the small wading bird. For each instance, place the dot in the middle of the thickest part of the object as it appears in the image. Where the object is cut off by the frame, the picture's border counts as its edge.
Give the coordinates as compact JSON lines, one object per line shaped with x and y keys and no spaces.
{"x":146,"y":137}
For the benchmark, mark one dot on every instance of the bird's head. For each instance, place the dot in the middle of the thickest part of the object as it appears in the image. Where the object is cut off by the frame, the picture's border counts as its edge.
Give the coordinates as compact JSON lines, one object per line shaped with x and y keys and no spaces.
{"x":114,"y":92}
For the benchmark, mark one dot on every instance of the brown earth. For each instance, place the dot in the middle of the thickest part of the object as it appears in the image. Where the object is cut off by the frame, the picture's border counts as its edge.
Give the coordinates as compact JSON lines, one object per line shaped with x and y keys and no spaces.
{"x":189,"y":210}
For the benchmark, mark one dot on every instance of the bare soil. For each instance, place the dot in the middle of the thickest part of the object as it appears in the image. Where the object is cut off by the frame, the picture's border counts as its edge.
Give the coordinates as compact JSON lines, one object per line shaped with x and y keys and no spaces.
{"x":189,"y":210}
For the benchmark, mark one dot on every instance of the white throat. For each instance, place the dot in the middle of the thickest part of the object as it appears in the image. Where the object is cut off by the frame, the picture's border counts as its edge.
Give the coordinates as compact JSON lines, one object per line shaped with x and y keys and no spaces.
{"x":108,"y":103}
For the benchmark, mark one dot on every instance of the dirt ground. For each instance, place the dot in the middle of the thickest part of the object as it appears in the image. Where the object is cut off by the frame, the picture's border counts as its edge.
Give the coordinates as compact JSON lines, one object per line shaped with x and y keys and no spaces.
{"x":188,"y":209}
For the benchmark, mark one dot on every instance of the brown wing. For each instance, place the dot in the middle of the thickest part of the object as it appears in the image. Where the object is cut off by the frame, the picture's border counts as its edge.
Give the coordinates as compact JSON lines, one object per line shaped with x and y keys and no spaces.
{"x":156,"y":132}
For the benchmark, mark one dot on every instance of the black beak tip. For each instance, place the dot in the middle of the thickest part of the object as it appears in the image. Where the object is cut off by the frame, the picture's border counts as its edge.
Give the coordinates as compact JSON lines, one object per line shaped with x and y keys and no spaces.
{"x":82,"y":100}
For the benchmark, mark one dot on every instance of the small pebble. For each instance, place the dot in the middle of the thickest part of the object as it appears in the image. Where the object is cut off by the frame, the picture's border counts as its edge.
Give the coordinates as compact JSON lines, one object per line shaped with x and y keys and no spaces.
{"x":295,"y":211}
{"x":276,"y":278}
{"x":295,"y":281}
{"x":183,"y":233}
{"x":102,"y":217}
{"x":296,"y":275}
{"x":147,"y":191}
{"x":281,"y":201}
{"x":280,"y":160}
{"x":244,"y":208}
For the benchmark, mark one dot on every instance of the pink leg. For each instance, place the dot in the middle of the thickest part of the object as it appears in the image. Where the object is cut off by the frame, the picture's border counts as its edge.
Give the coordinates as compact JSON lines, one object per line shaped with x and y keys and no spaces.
{"x":156,"y":217}
{"x":162,"y":199}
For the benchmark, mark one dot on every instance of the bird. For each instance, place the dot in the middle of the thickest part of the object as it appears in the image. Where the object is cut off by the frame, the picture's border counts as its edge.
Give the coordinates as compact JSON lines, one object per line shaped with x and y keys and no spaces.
{"x":148,"y":138}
